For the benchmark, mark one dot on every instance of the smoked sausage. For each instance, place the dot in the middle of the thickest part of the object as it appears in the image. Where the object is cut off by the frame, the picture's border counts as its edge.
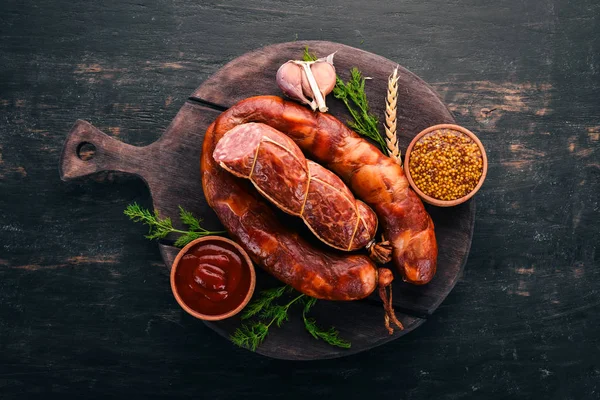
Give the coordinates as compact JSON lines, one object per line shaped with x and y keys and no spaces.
{"x":281,"y":173}
{"x":373,"y":177}
{"x":279,"y":250}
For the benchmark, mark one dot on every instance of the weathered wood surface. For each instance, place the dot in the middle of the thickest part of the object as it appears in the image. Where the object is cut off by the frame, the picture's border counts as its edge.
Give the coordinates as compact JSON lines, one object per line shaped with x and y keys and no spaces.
{"x":167,"y":168}
{"x":83,"y":311}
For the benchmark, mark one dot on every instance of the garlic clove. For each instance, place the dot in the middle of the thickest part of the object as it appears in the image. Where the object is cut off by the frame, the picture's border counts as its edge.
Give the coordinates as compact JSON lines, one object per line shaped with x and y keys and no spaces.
{"x":324,"y":74}
{"x":314,"y":91}
{"x":306,"y":89}
{"x":289,"y":80}
{"x":304,"y":80}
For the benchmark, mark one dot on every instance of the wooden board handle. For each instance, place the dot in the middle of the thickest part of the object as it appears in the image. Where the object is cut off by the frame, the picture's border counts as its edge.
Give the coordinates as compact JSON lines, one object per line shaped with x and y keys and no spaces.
{"x":110,"y":154}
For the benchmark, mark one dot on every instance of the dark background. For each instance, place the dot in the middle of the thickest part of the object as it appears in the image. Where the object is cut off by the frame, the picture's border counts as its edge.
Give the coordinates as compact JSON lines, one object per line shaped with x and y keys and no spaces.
{"x":85,"y":306}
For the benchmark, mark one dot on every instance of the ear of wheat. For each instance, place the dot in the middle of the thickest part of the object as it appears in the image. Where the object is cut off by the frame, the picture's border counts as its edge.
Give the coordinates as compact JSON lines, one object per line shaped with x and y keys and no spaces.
{"x":391,"y":100}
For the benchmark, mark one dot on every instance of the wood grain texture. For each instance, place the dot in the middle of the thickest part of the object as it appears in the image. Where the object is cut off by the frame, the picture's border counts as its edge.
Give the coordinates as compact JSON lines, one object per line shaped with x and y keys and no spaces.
{"x":167,"y":167}
{"x":83,"y":310}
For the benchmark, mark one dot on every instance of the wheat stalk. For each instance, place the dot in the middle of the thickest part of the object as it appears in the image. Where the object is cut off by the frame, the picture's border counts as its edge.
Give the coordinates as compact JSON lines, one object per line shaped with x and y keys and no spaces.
{"x":391,"y":99}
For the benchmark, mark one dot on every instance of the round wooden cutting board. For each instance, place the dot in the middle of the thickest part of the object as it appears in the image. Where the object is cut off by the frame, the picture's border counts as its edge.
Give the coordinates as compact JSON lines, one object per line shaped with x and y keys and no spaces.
{"x":170,"y":168}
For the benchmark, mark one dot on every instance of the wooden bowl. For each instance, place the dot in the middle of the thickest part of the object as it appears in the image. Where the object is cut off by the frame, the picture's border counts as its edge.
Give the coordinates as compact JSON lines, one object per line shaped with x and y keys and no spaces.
{"x":431,"y":200}
{"x":247,"y":263}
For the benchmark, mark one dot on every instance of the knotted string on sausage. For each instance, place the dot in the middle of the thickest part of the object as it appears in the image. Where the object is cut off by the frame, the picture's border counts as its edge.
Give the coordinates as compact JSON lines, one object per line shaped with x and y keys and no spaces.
{"x":299,"y":187}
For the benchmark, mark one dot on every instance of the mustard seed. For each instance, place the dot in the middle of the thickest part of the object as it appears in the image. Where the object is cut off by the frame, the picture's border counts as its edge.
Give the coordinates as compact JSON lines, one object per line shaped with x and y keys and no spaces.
{"x":446,"y":164}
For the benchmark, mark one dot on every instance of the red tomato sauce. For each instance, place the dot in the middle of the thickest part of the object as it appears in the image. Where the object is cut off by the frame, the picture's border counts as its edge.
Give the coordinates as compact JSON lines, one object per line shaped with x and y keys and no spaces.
{"x":212,"y":279}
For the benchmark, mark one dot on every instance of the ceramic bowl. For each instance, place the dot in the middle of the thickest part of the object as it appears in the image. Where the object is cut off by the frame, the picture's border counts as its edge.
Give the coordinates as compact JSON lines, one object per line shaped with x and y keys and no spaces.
{"x":431,"y":200}
{"x":246,"y":263}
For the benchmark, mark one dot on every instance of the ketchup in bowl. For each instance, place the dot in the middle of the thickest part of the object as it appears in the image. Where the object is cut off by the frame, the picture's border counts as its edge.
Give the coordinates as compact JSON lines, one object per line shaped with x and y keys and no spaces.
{"x":212,"y":278}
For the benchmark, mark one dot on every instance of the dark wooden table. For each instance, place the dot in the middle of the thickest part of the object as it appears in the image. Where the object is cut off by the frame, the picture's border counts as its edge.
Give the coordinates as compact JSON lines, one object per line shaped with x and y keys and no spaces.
{"x":85,"y":307}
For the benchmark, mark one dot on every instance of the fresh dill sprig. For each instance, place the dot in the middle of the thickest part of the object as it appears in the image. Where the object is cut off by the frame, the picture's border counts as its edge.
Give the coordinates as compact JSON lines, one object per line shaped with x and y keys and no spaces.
{"x":252,"y":335}
{"x":308,"y":56}
{"x":353,"y":95}
{"x":188,"y":218}
{"x":159,"y":228}
{"x":264,"y":301}
{"x":330,"y":336}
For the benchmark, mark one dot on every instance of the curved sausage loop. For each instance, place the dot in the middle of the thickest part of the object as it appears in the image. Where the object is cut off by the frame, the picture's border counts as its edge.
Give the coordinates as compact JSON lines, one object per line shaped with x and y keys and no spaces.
{"x":282,"y":252}
{"x":373,"y":178}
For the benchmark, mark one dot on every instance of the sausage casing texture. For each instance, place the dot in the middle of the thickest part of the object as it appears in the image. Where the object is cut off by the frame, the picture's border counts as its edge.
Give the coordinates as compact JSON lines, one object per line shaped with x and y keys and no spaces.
{"x":312,"y":270}
{"x":373,"y":177}
{"x":300,"y":187}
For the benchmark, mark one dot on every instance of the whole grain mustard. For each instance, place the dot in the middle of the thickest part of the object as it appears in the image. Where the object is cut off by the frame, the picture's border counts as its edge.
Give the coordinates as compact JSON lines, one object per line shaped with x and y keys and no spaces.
{"x":446,"y":164}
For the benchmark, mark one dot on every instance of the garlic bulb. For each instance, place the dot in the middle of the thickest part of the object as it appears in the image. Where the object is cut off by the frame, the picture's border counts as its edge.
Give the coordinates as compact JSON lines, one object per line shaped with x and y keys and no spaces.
{"x":289,"y":80}
{"x":301,"y":80}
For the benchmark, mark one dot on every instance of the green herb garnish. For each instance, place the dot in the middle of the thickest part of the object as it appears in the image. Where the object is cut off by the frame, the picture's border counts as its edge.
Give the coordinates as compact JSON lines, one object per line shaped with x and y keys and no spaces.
{"x":251,"y":336}
{"x":330,"y":336}
{"x":268,"y":312}
{"x":353,"y":95}
{"x":308,"y":56}
{"x":159,"y":228}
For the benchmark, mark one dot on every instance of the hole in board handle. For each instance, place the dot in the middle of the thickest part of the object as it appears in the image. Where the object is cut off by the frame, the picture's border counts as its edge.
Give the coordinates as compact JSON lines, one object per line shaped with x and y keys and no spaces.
{"x":86,"y":151}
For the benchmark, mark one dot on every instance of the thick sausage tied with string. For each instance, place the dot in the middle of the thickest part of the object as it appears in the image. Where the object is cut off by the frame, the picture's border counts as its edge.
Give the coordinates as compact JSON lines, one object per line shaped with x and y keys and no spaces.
{"x":277,"y":168}
{"x":372,"y":177}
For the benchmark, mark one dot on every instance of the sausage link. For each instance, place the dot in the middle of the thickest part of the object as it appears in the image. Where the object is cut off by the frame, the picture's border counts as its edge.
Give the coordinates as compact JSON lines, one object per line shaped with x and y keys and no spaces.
{"x":315,"y":271}
{"x":303,"y":188}
{"x":373,"y":177}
